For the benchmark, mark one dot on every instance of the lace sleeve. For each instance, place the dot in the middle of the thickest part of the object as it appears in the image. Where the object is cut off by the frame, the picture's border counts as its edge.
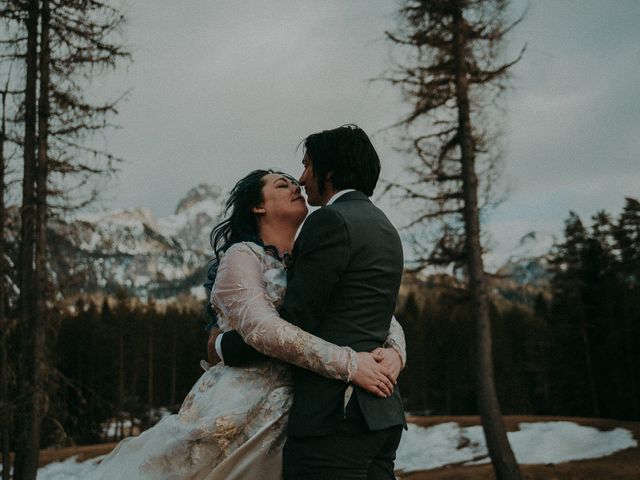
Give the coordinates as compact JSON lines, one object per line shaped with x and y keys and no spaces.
{"x":240,"y":295}
{"x":396,"y":340}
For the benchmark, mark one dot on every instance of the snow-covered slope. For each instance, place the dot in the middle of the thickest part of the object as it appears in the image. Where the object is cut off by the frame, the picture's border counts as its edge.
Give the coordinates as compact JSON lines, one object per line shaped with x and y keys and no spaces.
{"x":135,"y":250}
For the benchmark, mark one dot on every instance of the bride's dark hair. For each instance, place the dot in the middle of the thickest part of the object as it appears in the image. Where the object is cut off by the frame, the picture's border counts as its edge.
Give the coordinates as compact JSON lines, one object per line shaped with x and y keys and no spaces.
{"x":240,"y":225}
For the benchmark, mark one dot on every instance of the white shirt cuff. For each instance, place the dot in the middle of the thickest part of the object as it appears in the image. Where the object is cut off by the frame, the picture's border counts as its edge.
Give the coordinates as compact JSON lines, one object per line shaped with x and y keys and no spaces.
{"x":218,"y":346}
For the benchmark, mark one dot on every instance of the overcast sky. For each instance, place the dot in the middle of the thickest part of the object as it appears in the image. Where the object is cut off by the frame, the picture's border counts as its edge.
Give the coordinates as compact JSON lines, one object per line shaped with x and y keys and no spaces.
{"x":219,"y":88}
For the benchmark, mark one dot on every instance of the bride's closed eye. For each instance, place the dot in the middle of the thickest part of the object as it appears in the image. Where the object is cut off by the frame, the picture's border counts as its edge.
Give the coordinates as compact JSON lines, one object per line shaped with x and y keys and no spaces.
{"x":286,"y":183}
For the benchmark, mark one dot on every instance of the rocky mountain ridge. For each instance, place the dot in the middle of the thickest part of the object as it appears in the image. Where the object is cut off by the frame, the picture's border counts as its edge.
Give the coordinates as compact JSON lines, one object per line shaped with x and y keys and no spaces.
{"x":134,"y":250}
{"x":166,"y":257}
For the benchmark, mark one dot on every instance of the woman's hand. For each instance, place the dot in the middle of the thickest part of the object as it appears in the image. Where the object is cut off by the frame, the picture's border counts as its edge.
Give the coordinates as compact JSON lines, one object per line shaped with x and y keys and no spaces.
{"x":391,"y":360}
{"x":372,"y":375}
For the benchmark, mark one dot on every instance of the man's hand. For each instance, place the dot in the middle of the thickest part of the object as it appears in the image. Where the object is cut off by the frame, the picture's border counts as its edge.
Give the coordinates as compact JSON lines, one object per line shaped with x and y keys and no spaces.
{"x":372,"y":375}
{"x":211,"y":346}
{"x":391,"y":360}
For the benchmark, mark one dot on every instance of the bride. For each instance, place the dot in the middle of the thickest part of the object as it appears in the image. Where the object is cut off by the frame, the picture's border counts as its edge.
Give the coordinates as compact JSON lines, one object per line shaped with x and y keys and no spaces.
{"x":232,"y":423}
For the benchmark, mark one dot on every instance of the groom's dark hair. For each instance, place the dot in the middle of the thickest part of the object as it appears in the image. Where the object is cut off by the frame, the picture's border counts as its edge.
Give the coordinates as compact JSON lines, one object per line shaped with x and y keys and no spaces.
{"x":347,"y":153}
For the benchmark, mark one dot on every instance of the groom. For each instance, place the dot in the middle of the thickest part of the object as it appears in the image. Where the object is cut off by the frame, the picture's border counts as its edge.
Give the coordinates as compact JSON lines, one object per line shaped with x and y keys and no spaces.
{"x":342,"y":286}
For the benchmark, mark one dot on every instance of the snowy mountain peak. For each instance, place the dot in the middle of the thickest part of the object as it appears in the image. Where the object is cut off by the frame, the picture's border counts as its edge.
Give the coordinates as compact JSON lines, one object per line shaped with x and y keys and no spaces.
{"x":132,"y":248}
{"x":200,"y":194}
{"x":196,"y":215}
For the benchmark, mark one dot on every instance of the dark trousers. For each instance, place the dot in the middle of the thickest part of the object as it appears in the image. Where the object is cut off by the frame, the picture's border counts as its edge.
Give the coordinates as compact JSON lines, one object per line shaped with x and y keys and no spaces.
{"x":352,"y":453}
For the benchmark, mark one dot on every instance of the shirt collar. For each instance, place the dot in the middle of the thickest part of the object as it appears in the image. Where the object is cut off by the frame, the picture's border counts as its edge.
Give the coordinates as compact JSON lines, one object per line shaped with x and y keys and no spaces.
{"x":338,"y":195}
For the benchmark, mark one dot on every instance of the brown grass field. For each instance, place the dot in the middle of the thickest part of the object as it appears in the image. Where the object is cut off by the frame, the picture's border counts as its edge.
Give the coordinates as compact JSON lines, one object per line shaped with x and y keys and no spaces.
{"x":623,"y":465}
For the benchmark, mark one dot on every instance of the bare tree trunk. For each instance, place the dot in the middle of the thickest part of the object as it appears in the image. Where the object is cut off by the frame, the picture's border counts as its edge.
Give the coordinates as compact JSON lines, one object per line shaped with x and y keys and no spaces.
{"x":502,"y":457}
{"x":120,"y":392}
{"x":4,"y":400}
{"x":28,"y":416}
{"x":150,"y":366}
{"x":173,"y":364}
{"x":628,"y":334}
{"x":7,"y":416}
{"x":42,"y":174}
{"x":448,"y":378}
{"x":91,"y":375}
{"x":587,"y":360}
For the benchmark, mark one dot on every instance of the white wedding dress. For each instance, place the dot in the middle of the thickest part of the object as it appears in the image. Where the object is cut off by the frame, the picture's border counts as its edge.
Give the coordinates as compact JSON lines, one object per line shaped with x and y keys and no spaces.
{"x":232,"y":423}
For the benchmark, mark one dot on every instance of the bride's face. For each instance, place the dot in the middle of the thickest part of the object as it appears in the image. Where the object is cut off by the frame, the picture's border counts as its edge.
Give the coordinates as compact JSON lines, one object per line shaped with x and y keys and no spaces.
{"x":282,"y":200}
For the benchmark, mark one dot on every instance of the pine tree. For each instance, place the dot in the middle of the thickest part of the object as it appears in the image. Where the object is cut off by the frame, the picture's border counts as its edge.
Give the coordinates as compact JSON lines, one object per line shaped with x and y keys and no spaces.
{"x":453,"y":77}
{"x":571,"y":328}
{"x":411,"y":379}
{"x":602,"y":300}
{"x":151,"y":357}
{"x":541,"y":359}
{"x":627,"y":235}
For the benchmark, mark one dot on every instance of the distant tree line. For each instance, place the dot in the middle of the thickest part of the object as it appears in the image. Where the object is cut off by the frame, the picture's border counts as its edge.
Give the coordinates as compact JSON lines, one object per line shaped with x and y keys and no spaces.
{"x":119,"y":361}
{"x":574,"y":353}
{"x":594,"y":316}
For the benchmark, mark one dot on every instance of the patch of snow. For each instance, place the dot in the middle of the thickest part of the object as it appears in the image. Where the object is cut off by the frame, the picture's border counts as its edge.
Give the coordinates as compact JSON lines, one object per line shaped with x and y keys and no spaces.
{"x":69,"y":469}
{"x":557,"y":442}
{"x":541,"y":442}
{"x":448,"y":443}
{"x":426,"y":448}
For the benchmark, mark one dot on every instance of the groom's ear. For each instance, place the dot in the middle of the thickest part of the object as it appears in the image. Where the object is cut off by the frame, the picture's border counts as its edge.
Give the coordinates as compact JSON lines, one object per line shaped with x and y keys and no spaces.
{"x":328,"y":180}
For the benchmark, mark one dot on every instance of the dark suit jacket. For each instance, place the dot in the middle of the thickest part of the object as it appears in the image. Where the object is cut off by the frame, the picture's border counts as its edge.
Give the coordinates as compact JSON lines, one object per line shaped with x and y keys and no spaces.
{"x":342,"y":287}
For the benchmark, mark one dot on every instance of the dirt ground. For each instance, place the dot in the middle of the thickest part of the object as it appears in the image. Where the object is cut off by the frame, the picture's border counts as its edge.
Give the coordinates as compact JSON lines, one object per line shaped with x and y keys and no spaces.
{"x":85,"y":452}
{"x":623,"y":465}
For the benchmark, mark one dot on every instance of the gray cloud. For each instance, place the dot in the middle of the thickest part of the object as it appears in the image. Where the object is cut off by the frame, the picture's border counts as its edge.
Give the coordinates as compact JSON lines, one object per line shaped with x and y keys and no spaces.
{"x":220,"y":88}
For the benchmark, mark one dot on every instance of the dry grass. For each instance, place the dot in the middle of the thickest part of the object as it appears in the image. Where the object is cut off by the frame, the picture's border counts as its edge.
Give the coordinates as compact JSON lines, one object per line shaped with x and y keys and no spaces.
{"x":623,"y":465}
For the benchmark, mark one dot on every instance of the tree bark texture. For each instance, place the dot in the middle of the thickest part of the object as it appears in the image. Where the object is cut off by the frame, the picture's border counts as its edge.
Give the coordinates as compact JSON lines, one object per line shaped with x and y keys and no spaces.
{"x":502,"y":457}
{"x":7,"y":417}
{"x":28,"y":409}
{"x":588,"y":364}
{"x":150,"y":359}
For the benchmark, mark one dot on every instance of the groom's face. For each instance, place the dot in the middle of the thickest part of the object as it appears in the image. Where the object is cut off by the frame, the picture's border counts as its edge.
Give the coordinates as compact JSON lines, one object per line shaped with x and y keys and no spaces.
{"x":309,"y":182}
